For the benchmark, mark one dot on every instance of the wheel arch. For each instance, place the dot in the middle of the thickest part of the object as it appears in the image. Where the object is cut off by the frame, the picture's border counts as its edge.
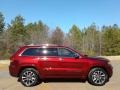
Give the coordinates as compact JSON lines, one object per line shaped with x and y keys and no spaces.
{"x":98,"y":67}
{"x":24,"y":67}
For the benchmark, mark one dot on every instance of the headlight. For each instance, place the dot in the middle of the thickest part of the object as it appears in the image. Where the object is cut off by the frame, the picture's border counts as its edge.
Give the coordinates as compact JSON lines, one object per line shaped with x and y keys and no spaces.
{"x":109,"y":62}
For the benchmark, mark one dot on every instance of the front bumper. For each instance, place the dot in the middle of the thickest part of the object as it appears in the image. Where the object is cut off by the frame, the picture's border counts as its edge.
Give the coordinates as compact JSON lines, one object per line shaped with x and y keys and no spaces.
{"x":110,"y":70}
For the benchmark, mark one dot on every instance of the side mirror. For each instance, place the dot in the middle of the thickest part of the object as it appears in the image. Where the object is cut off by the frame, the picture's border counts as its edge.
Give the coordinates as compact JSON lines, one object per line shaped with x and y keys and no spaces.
{"x":77,"y":56}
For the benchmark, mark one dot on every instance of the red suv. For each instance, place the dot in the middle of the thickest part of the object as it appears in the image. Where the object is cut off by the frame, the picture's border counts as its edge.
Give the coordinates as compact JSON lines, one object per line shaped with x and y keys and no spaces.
{"x":32,"y":64}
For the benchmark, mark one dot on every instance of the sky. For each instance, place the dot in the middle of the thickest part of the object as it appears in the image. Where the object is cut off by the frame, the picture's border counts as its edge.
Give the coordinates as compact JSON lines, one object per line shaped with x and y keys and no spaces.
{"x":63,"y":13}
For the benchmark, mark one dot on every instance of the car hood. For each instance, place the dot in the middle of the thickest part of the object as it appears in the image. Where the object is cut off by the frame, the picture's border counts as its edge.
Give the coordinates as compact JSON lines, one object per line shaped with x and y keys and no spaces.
{"x":97,"y":58}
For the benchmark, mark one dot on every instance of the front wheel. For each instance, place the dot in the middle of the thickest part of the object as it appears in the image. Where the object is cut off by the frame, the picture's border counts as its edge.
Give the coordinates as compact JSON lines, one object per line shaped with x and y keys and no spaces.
{"x":97,"y":76}
{"x":29,"y":77}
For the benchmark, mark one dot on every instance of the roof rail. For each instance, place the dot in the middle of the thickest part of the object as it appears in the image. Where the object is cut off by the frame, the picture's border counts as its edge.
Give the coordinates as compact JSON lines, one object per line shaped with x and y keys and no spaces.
{"x":42,"y":44}
{"x":48,"y":44}
{"x":31,"y":44}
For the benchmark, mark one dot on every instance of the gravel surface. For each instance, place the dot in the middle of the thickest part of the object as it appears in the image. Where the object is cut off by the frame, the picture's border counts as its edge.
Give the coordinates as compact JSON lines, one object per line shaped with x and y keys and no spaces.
{"x":10,"y":83}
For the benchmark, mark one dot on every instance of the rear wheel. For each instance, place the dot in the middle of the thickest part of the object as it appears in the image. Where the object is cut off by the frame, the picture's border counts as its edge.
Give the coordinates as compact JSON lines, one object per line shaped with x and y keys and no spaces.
{"x":97,"y":76}
{"x":29,"y":77}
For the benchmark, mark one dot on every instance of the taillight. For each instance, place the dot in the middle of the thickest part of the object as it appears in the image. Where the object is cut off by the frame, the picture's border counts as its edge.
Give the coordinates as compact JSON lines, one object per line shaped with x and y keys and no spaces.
{"x":12,"y":58}
{"x":14,"y":62}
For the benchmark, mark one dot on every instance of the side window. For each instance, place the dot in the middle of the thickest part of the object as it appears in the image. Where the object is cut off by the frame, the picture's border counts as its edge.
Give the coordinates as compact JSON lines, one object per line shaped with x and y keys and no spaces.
{"x":32,"y":52}
{"x":49,"y":52}
{"x":66,"y":52}
{"x":40,"y":52}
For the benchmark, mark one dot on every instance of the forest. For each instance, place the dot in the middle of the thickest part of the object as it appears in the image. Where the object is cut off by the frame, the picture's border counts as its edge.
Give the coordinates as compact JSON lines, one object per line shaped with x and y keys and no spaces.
{"x":91,"y":40}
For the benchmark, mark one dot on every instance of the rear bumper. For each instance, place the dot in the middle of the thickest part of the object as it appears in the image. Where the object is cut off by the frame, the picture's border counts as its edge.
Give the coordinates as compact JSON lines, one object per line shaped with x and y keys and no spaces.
{"x":13,"y":70}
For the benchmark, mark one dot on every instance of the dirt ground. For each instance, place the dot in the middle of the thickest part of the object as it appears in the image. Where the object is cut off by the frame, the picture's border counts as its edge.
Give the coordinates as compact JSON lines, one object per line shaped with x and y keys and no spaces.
{"x":10,"y":83}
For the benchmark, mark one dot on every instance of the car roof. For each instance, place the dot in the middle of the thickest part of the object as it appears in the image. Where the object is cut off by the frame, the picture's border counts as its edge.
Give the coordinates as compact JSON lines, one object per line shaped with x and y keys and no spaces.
{"x":44,"y":45}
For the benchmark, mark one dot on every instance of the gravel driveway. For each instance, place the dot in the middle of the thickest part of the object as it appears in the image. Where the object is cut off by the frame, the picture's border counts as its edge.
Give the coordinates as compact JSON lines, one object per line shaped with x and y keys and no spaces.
{"x":10,"y":83}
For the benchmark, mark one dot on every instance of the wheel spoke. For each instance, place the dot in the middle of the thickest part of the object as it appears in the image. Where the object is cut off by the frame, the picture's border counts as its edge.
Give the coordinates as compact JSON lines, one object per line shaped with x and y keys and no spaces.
{"x":28,"y":78}
{"x":98,"y":77}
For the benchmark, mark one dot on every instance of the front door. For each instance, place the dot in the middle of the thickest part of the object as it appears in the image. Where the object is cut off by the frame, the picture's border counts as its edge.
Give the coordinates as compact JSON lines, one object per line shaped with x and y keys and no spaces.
{"x":72,"y":65}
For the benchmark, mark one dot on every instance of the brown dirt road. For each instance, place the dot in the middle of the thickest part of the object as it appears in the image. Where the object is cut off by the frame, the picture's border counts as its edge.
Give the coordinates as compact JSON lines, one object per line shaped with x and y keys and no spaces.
{"x":10,"y":83}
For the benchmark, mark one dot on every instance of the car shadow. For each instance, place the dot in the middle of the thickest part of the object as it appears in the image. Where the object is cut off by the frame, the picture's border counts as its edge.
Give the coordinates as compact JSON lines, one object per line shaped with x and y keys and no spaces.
{"x":63,"y":80}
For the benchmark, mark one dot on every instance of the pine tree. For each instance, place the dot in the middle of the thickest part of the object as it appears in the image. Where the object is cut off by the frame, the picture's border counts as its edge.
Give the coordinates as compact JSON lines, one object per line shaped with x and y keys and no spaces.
{"x":2,"y":24}
{"x":75,"y":38}
{"x":38,"y":32}
{"x":57,"y":37}
{"x":18,"y":35}
{"x":111,"y":40}
{"x":91,"y":40}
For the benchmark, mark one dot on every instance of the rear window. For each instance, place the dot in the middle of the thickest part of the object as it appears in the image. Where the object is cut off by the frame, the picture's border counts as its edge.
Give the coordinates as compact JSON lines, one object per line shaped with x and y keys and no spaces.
{"x":40,"y":52}
{"x":31,"y":52}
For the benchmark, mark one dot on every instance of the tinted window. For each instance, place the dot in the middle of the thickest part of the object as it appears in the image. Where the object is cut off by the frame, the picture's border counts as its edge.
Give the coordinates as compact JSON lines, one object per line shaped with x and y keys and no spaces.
{"x":66,"y":52}
{"x":32,"y":52}
{"x":41,"y":52}
{"x":49,"y":52}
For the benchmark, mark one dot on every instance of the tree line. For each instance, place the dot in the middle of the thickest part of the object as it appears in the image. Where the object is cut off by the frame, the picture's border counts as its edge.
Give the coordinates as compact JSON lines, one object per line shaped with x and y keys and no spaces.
{"x":91,"y":40}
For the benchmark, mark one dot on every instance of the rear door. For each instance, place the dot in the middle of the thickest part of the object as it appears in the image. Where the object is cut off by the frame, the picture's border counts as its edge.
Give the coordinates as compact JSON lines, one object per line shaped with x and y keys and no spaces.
{"x":49,"y":62}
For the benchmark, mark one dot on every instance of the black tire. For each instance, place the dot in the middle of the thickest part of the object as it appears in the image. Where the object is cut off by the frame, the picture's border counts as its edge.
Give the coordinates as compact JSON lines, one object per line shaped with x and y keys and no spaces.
{"x":97,"y":76}
{"x":29,"y":77}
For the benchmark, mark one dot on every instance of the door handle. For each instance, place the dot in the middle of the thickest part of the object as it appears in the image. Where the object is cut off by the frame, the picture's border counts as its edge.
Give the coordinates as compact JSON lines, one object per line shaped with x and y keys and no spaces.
{"x":44,"y":58}
{"x":36,"y":58}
